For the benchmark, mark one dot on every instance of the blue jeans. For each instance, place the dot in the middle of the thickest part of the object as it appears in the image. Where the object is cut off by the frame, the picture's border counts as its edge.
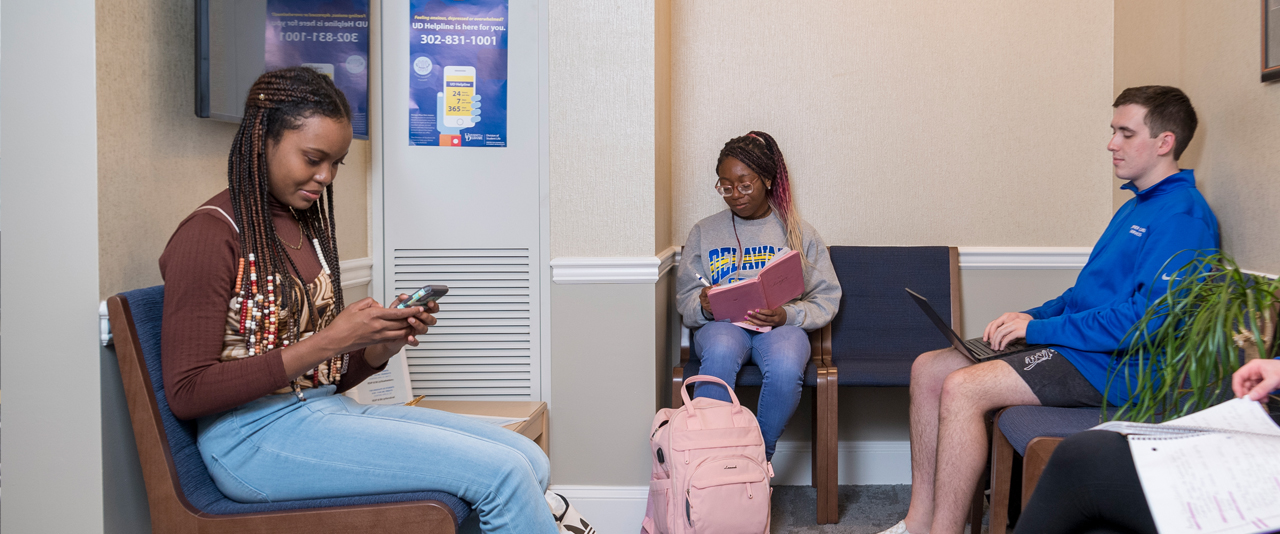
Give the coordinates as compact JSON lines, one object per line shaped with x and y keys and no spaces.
{"x":279,"y":448}
{"x":782,"y":354}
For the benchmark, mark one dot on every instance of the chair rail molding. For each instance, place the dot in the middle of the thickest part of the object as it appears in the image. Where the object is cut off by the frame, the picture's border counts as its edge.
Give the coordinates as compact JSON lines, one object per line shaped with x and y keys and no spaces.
{"x":1017,"y":258}
{"x":356,"y":272}
{"x":613,"y":270}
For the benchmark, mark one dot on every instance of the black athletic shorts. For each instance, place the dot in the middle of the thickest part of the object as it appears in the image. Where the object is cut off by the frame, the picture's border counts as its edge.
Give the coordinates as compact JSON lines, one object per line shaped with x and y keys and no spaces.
{"x":1053,"y":379}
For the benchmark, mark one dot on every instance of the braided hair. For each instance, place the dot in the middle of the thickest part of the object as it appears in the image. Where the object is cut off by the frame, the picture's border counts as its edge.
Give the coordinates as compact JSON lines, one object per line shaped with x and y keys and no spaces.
{"x":760,"y":153}
{"x":279,"y":100}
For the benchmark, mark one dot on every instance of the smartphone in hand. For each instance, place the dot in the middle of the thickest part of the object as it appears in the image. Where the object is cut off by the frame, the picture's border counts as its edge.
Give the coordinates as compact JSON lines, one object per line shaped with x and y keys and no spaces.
{"x":424,"y":295}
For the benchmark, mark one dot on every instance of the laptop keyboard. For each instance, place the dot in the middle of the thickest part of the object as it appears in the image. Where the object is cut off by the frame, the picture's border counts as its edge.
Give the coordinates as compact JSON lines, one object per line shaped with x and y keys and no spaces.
{"x":980,"y":347}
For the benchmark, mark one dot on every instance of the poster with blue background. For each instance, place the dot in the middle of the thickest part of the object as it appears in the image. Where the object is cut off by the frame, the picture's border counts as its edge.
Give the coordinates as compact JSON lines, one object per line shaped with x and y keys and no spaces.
{"x":331,"y":36}
{"x":458,"y":73}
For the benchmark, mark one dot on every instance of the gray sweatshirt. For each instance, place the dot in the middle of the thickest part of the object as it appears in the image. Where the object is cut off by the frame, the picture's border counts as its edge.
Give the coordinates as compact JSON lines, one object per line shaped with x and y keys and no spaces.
{"x":712,"y":251}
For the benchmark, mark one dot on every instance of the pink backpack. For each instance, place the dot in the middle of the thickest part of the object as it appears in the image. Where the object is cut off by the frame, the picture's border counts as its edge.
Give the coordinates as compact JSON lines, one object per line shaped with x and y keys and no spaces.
{"x":709,"y":471}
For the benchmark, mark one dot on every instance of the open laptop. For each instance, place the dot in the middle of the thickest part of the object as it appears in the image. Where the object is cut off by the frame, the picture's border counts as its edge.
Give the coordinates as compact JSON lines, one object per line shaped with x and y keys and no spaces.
{"x":976,"y":349}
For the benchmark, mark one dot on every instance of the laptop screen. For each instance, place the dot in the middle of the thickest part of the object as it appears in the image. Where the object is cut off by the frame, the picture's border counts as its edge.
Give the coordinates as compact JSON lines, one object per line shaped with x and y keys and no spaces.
{"x":938,"y":322}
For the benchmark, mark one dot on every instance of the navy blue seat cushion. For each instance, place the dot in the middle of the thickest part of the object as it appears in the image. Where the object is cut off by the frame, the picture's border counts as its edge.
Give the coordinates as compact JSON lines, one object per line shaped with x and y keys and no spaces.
{"x":147,"y":308}
{"x":1021,"y":424}
{"x":879,"y":330}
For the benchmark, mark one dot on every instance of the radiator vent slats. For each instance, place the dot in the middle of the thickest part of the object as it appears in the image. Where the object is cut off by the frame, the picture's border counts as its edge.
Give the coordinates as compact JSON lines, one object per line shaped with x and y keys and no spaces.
{"x":481,"y":346}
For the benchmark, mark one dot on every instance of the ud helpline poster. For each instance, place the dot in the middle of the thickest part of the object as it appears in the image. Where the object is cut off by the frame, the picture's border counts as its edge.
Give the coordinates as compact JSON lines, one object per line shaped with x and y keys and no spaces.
{"x":330,"y":36}
{"x":458,"y":73}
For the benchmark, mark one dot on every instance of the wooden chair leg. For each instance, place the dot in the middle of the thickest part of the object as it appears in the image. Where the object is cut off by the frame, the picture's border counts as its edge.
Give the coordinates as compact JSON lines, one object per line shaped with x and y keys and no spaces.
{"x":826,"y":472}
{"x":1002,"y":455}
{"x":978,"y":505}
{"x":1033,"y":463}
{"x":677,"y":383}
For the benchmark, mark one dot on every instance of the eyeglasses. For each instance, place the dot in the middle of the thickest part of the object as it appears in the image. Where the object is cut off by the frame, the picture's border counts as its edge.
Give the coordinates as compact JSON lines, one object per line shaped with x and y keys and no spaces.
{"x":744,"y":188}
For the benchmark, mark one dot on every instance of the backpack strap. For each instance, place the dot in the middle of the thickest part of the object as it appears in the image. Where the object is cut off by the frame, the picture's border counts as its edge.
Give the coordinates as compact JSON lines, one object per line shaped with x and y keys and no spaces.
{"x":684,"y":391}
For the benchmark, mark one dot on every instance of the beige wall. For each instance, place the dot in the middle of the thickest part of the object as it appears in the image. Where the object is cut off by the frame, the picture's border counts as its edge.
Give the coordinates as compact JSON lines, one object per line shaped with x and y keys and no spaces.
{"x":156,"y":160}
{"x":602,"y":128}
{"x":602,"y":396}
{"x":1212,"y":51}
{"x":985,"y":294}
{"x":909,"y":122}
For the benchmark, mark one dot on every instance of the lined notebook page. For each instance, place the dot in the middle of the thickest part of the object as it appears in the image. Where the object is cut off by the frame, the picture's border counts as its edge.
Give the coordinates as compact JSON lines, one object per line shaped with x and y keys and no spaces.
{"x":1225,"y":480}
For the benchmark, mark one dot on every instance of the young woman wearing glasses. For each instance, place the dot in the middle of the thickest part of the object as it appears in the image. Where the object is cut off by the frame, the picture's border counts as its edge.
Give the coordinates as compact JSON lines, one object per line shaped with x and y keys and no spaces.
{"x":734,"y":245}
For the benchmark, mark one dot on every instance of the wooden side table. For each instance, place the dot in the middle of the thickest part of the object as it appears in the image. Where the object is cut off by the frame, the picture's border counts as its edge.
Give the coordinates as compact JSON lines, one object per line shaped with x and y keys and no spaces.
{"x":534,"y":428}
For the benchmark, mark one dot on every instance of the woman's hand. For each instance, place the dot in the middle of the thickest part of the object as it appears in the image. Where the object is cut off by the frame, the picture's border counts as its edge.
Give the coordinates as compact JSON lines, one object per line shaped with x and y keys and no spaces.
{"x":363,"y":324}
{"x":378,"y":354}
{"x":1256,"y":379}
{"x":774,"y":317}
{"x":705,"y":300}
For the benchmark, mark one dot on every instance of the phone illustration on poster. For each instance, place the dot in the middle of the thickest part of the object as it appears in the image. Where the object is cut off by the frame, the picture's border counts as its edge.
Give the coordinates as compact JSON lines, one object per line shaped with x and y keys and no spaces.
{"x":458,"y":73}
{"x":330,"y":36}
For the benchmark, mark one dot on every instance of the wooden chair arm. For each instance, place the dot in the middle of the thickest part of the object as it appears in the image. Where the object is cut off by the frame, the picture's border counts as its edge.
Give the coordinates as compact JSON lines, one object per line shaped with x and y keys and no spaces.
{"x":820,"y":346}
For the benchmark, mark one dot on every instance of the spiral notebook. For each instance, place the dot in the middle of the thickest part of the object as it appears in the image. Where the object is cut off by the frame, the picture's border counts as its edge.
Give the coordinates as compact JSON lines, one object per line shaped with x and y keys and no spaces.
{"x":1214,"y":471}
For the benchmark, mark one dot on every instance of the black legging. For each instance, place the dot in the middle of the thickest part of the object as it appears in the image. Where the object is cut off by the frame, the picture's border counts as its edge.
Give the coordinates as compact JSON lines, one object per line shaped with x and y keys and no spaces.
{"x":1090,"y":485}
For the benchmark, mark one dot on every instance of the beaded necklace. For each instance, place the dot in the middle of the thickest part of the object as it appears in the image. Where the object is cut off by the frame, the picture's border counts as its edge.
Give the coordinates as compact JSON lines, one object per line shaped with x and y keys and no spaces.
{"x":260,"y":316}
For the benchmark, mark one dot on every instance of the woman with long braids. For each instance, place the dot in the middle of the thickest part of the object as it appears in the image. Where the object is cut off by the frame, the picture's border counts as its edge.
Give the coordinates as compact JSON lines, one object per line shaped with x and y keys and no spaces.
{"x":734,"y":245}
{"x":258,"y":345}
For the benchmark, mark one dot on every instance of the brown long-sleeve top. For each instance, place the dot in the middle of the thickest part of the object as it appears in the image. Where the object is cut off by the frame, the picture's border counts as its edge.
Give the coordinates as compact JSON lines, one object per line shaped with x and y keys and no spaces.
{"x":199,"y":269}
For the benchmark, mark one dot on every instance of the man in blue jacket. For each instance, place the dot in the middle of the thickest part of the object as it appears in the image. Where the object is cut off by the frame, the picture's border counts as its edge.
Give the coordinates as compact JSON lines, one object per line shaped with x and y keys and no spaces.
{"x":1147,"y":241}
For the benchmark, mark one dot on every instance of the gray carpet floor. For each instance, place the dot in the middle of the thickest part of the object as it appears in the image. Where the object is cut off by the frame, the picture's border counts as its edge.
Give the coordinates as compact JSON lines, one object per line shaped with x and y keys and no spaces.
{"x":863,"y":509}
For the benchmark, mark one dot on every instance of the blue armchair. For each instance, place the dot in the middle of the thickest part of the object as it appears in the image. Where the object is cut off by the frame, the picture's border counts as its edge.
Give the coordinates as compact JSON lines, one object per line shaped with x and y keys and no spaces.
{"x":182,"y":496}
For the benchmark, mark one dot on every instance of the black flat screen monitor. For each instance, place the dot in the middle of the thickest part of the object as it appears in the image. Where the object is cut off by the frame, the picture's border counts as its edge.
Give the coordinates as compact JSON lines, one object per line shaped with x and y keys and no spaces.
{"x":230,"y":44}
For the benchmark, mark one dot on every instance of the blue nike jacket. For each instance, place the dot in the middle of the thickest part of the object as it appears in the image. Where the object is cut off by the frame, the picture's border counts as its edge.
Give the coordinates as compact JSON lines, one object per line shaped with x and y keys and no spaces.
{"x":1129,"y":268}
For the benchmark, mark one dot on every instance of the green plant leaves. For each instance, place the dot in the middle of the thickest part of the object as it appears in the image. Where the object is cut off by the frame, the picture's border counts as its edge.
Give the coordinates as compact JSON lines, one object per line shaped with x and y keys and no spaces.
{"x":1189,"y":341}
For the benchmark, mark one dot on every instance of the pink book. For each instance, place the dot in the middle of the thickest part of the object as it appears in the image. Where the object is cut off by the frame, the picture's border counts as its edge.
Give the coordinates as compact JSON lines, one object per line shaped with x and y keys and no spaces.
{"x":778,"y":283}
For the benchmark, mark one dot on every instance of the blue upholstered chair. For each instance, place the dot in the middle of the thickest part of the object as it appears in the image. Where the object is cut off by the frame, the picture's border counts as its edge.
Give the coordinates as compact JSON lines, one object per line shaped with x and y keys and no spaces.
{"x":879,"y":330}
{"x":1032,"y":432}
{"x":181,"y":495}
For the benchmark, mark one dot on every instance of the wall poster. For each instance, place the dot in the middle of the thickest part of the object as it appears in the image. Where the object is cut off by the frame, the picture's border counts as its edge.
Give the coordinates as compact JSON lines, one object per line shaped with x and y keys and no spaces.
{"x":331,"y":36}
{"x":458,"y":73}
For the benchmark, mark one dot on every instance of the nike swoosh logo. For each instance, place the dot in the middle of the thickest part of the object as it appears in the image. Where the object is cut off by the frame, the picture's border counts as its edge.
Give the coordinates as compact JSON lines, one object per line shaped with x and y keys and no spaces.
{"x":1166,"y":278}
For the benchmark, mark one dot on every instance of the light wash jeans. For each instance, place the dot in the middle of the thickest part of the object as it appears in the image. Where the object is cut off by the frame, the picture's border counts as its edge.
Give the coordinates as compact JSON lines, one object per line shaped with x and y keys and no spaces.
{"x":279,"y":448}
{"x":782,"y":354}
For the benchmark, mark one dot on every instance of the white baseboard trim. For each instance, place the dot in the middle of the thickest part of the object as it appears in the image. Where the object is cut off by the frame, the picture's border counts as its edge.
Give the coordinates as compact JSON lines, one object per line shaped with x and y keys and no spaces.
{"x":621,"y":508}
{"x":1017,"y":258}
{"x":860,"y":463}
{"x":608,"y":508}
{"x":356,"y":272}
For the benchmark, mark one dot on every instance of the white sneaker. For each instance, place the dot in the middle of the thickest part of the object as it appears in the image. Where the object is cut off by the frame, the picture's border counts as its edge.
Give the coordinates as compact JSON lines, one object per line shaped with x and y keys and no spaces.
{"x":567,"y":517}
{"x":900,"y":528}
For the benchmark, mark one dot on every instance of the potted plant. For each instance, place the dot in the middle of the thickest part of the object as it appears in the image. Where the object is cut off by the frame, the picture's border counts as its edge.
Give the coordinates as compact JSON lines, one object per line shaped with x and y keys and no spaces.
{"x":1214,"y":318}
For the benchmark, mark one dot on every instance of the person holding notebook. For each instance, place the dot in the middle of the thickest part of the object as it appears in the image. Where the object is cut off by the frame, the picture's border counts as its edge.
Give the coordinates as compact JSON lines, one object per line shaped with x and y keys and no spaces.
{"x":1149,"y":238}
{"x":1091,"y":483}
{"x":734,"y":245}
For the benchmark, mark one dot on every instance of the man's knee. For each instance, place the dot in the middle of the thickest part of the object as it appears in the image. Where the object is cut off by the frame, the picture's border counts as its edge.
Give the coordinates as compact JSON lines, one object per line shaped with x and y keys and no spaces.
{"x":961,"y":385}
{"x":935,"y":365}
{"x":985,"y":386}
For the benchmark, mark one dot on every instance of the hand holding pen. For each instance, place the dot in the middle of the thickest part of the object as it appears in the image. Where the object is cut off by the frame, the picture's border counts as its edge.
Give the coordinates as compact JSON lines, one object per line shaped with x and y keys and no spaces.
{"x":706,"y":302}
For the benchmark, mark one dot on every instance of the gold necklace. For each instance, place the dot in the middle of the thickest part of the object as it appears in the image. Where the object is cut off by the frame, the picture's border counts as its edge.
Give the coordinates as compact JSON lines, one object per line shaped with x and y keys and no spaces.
{"x":302,"y":236}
